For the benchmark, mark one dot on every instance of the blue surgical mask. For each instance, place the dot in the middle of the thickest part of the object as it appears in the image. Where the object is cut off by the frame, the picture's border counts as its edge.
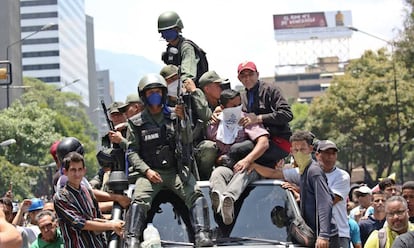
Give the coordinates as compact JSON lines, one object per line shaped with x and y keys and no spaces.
{"x":154,"y":99}
{"x":169,"y":35}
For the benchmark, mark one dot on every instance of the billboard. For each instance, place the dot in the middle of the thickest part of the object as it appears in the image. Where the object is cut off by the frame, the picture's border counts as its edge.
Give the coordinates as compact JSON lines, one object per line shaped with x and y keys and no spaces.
{"x":312,"y":25}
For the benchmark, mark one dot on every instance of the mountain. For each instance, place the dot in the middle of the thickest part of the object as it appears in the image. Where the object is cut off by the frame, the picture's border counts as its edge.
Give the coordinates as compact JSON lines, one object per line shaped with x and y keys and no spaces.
{"x":125,"y":70}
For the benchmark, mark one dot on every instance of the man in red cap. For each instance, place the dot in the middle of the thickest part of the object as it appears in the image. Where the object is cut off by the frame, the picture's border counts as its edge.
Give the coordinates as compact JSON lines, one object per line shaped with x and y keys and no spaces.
{"x":265,"y":104}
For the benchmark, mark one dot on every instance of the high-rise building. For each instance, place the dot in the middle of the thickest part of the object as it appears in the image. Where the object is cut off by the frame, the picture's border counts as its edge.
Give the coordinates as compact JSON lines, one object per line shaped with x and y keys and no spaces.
{"x":92,"y":112}
{"x":105,"y":93}
{"x":57,"y":55}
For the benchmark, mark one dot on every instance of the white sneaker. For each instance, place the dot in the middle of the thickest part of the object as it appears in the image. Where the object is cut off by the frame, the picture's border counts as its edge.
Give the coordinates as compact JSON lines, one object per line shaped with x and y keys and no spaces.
{"x":227,"y":210}
{"x":215,"y":201}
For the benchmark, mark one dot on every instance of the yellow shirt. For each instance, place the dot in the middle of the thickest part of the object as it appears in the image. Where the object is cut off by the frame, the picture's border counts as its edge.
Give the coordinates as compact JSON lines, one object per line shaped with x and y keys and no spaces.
{"x":373,"y":241}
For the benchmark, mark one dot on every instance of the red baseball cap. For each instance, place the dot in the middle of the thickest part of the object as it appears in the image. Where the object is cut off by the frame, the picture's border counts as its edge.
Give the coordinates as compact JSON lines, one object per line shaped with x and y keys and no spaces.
{"x":248,"y":65}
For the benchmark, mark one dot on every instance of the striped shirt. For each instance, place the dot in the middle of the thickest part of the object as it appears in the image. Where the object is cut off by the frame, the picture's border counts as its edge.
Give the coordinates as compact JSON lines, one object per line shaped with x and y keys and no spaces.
{"x":74,"y":207}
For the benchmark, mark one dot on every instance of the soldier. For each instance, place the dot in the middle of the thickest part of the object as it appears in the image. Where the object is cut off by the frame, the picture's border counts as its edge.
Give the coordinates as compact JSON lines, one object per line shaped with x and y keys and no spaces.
{"x":151,"y":152}
{"x":112,"y":156}
{"x":170,"y":74}
{"x":118,"y":119}
{"x":205,"y":151}
{"x":181,"y":51}
{"x":133,"y":105}
{"x":212,"y":85}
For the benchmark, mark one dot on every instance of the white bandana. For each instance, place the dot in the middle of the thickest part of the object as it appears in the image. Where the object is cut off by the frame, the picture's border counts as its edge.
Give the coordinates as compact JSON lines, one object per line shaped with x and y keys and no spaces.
{"x":229,"y":125}
{"x":172,"y":88}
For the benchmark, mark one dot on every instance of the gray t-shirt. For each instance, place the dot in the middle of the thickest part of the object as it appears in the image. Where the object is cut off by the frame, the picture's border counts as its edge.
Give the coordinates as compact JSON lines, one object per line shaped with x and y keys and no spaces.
{"x":291,"y":175}
{"x":404,"y":240}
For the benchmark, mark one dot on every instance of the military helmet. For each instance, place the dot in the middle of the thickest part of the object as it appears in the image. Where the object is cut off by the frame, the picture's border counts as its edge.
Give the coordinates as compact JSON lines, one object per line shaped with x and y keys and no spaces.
{"x":150,"y":81}
{"x":169,"y":20}
{"x":69,"y":144}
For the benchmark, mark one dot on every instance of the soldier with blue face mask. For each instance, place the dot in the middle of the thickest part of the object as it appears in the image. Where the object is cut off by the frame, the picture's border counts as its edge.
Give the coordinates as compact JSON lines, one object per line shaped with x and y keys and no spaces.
{"x":181,"y":51}
{"x":152,"y":156}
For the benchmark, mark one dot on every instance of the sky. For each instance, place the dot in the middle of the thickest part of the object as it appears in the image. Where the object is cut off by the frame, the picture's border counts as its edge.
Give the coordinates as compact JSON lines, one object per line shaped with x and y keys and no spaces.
{"x":231,"y":31}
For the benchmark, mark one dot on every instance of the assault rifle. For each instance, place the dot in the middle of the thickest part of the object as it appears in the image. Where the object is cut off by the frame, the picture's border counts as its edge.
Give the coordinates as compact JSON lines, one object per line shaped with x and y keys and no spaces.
{"x":185,"y":151}
{"x":117,"y":182}
{"x":108,"y":121}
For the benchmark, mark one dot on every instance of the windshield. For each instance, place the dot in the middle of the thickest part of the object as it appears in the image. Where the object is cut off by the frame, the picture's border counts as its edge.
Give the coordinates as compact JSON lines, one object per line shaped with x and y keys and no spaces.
{"x":254,"y":216}
{"x":254,"y":219}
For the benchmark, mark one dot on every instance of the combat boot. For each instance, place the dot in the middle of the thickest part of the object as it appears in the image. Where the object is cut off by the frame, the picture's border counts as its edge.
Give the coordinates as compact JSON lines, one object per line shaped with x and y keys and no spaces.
{"x":201,"y":223}
{"x":135,"y":223}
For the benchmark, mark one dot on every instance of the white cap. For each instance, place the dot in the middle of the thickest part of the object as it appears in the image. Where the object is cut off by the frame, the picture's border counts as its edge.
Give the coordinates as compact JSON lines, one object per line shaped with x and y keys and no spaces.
{"x":364,"y":190}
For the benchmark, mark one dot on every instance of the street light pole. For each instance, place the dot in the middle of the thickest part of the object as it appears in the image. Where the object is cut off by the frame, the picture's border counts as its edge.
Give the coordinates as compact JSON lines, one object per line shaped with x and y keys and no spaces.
{"x":397,"y":108}
{"x":67,"y":84}
{"x":45,"y":27}
{"x":49,"y":168}
{"x":7,"y":142}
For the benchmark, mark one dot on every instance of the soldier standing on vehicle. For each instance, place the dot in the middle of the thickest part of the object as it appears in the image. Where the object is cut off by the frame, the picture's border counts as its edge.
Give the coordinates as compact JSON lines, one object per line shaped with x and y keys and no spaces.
{"x":152,"y":153}
{"x":181,"y":51}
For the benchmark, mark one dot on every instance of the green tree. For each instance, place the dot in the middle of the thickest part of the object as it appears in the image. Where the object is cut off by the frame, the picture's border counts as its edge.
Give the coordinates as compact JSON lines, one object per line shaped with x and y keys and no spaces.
{"x":27,"y":182}
{"x":34,"y":130}
{"x":405,"y":45}
{"x":300,"y":115}
{"x":41,"y":116}
{"x":358,"y":111}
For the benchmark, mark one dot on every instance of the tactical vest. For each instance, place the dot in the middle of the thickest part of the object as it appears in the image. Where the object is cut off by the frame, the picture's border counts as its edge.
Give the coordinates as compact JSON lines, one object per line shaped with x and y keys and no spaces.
{"x":157,"y":144}
{"x":172,"y":55}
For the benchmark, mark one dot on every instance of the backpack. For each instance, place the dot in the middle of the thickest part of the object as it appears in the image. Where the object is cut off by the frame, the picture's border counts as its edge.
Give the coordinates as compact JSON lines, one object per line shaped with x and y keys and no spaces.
{"x":173,"y":56}
{"x":202,"y":65}
{"x":382,"y":238}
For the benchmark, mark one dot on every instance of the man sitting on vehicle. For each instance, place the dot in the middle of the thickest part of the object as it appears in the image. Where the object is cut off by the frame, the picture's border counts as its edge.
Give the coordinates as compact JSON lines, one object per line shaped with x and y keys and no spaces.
{"x":236,"y":153}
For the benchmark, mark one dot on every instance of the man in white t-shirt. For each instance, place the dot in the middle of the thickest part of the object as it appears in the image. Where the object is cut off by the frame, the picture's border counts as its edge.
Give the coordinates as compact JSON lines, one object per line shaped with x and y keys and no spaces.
{"x":339,"y":183}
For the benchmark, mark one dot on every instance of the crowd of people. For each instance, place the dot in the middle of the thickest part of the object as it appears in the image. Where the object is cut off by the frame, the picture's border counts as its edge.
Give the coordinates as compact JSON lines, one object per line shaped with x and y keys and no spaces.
{"x":185,"y":124}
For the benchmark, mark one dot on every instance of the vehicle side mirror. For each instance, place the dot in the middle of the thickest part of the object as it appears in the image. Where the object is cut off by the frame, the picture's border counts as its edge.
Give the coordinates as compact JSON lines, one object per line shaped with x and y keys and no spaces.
{"x":279,"y":216}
